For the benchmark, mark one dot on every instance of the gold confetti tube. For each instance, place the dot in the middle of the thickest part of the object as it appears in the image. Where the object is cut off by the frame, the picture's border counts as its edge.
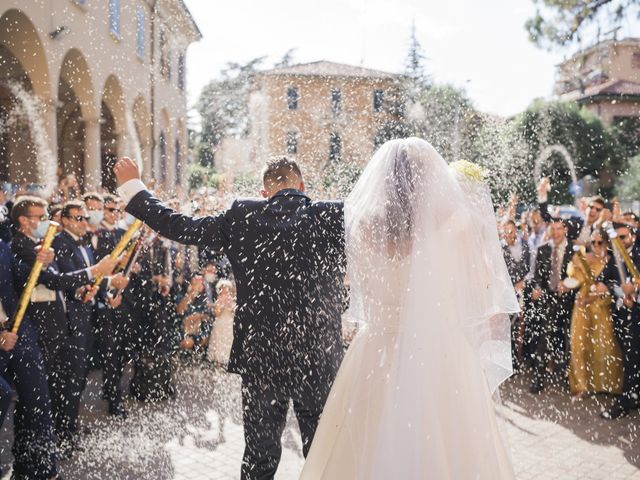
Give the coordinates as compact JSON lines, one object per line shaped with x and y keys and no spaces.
{"x":25,"y":298}
{"x":119,"y":248}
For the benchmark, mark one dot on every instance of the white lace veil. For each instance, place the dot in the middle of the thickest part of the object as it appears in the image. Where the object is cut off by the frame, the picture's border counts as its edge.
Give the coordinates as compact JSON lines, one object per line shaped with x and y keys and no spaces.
{"x":409,"y":205}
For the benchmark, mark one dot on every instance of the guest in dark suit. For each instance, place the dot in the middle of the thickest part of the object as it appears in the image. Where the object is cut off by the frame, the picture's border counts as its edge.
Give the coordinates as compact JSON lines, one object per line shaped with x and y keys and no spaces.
{"x":6,"y":233}
{"x":287,"y":257}
{"x":153,"y":369}
{"x":553,"y":302}
{"x":48,"y":312}
{"x":109,"y":316}
{"x":21,"y":363}
{"x":516,"y":254}
{"x":518,"y":259}
{"x":73,"y":254}
{"x":626,"y":319}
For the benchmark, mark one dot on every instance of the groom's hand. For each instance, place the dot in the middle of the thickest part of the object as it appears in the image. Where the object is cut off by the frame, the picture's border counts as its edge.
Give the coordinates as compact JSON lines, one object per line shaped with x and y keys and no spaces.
{"x":126,"y":169}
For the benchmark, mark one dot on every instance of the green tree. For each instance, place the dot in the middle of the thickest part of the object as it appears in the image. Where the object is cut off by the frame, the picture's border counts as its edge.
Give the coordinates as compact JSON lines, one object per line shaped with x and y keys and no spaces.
{"x":558,"y":23}
{"x":591,"y":146}
{"x":223,"y":108}
{"x":287,"y":59}
{"x":628,"y":187}
{"x":444,"y":116}
{"x":414,"y":65}
{"x":626,"y":132}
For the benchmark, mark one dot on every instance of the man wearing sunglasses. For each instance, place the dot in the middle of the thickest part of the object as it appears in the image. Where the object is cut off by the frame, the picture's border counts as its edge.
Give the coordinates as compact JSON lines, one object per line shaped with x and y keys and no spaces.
{"x":110,"y":319}
{"x":626,"y":319}
{"x":48,"y":308}
{"x":75,"y":253}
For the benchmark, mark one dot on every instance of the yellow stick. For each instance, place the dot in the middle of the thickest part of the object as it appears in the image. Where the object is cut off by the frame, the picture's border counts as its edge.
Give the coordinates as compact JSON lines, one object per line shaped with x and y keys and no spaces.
{"x":119,"y":248}
{"x":25,"y":298}
{"x":617,"y":244}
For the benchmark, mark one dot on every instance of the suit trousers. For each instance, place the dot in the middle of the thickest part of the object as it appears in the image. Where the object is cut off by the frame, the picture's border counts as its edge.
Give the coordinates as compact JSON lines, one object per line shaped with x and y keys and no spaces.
{"x":109,"y":336}
{"x":552,"y":329}
{"x":264,"y":409}
{"x":33,"y":446}
{"x":627,"y":323}
{"x":78,"y":361}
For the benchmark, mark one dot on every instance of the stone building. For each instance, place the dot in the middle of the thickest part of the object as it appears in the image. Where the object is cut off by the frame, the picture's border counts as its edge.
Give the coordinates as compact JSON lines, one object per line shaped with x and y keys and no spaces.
{"x":605,"y":78}
{"x":321,"y":112}
{"x":84,"y":81}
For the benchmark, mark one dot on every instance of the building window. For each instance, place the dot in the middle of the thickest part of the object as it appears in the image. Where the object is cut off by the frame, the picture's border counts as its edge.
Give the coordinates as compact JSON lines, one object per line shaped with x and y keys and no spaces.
{"x":181,"y":71}
{"x":292,"y":98}
{"x":378,"y":100}
{"x":178,"y":163}
{"x":140,"y":21}
{"x":164,"y":54}
{"x":82,"y":3}
{"x":114,"y":17}
{"x":162,"y":142}
{"x":292,"y":142}
{"x":336,"y":100}
{"x":335,"y":147}
{"x":635,"y":60}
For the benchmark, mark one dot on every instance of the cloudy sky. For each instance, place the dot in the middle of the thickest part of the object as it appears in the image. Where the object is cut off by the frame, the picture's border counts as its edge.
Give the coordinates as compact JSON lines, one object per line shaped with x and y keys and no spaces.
{"x":478,"y":45}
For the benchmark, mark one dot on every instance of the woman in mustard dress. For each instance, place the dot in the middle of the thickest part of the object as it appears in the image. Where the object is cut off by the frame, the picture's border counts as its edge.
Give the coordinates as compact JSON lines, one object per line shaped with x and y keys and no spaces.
{"x":596,"y":360}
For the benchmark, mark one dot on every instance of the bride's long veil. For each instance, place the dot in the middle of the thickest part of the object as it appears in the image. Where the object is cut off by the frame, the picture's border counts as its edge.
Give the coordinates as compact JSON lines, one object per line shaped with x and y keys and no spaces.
{"x":451,"y":344}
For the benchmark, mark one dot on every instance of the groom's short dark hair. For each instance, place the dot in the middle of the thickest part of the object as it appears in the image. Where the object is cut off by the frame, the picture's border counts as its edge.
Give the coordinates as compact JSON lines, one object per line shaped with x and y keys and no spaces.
{"x":280,"y":170}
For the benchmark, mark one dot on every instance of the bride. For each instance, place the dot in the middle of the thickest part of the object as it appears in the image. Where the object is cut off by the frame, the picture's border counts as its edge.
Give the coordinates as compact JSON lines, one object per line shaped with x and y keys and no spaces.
{"x":412,"y":399}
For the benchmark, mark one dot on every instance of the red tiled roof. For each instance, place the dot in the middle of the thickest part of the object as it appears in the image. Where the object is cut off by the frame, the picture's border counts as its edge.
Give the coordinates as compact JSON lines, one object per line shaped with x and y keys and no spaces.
{"x":329,"y":69}
{"x":612,"y":87}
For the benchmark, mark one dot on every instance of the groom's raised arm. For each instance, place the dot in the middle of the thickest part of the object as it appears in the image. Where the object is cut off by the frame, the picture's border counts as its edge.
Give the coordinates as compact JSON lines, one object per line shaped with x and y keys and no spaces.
{"x":210,"y":231}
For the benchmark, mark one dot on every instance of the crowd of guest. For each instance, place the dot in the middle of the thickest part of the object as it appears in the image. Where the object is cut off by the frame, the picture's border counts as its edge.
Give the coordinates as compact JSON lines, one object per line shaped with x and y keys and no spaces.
{"x":151,"y":307}
{"x":577,"y":280}
{"x":160,"y":303}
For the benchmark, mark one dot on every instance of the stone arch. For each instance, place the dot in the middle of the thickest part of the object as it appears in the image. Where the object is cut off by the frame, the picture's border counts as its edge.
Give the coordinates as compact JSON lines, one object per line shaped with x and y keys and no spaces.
{"x":26,"y":154}
{"x":142,"y":125}
{"x":112,"y":130}
{"x":77,"y":120}
{"x":180,"y":152}
{"x":20,"y":37}
{"x":165,"y":140}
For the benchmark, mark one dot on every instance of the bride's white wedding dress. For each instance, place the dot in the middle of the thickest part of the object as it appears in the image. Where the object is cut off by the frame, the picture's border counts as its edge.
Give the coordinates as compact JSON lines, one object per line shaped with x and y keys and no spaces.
{"x":412,"y":399}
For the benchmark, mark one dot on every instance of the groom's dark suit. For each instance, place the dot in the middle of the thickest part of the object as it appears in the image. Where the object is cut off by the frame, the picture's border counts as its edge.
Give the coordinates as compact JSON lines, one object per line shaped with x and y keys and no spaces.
{"x":287,"y":256}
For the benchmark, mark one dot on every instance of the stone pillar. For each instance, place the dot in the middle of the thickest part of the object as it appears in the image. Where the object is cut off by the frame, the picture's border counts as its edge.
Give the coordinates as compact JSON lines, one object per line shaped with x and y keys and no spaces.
{"x":92,"y":160}
{"x":49,"y":115}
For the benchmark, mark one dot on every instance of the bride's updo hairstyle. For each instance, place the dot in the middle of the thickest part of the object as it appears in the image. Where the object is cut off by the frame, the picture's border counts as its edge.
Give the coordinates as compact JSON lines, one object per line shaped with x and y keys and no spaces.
{"x":401,"y":189}
{"x":399,"y":214}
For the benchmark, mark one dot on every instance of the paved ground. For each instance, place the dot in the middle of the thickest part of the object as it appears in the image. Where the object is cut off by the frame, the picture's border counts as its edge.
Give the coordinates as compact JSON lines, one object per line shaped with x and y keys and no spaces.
{"x":198,"y":435}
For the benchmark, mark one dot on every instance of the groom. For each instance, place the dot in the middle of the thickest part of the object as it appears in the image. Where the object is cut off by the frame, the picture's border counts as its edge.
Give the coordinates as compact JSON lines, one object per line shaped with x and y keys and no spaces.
{"x":287,"y":256}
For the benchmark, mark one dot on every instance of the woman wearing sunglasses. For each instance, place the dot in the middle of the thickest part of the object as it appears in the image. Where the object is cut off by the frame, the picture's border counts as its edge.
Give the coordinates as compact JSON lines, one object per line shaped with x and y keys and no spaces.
{"x":596,"y":362}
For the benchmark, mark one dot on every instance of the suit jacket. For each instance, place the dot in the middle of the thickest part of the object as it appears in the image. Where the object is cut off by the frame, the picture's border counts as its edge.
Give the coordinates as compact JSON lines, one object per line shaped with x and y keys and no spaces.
{"x":518,"y":269}
{"x":552,"y":307}
{"x":70,"y":259}
{"x":8,"y":296}
{"x":542,"y":272}
{"x":287,"y":257}
{"x":50,"y":318}
{"x":611,"y":277}
{"x":107,"y":240}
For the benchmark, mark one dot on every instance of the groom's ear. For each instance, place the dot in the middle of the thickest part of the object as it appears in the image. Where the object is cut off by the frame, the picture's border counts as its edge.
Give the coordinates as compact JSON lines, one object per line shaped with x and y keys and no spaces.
{"x":264,"y":193}
{"x":301,"y":187}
